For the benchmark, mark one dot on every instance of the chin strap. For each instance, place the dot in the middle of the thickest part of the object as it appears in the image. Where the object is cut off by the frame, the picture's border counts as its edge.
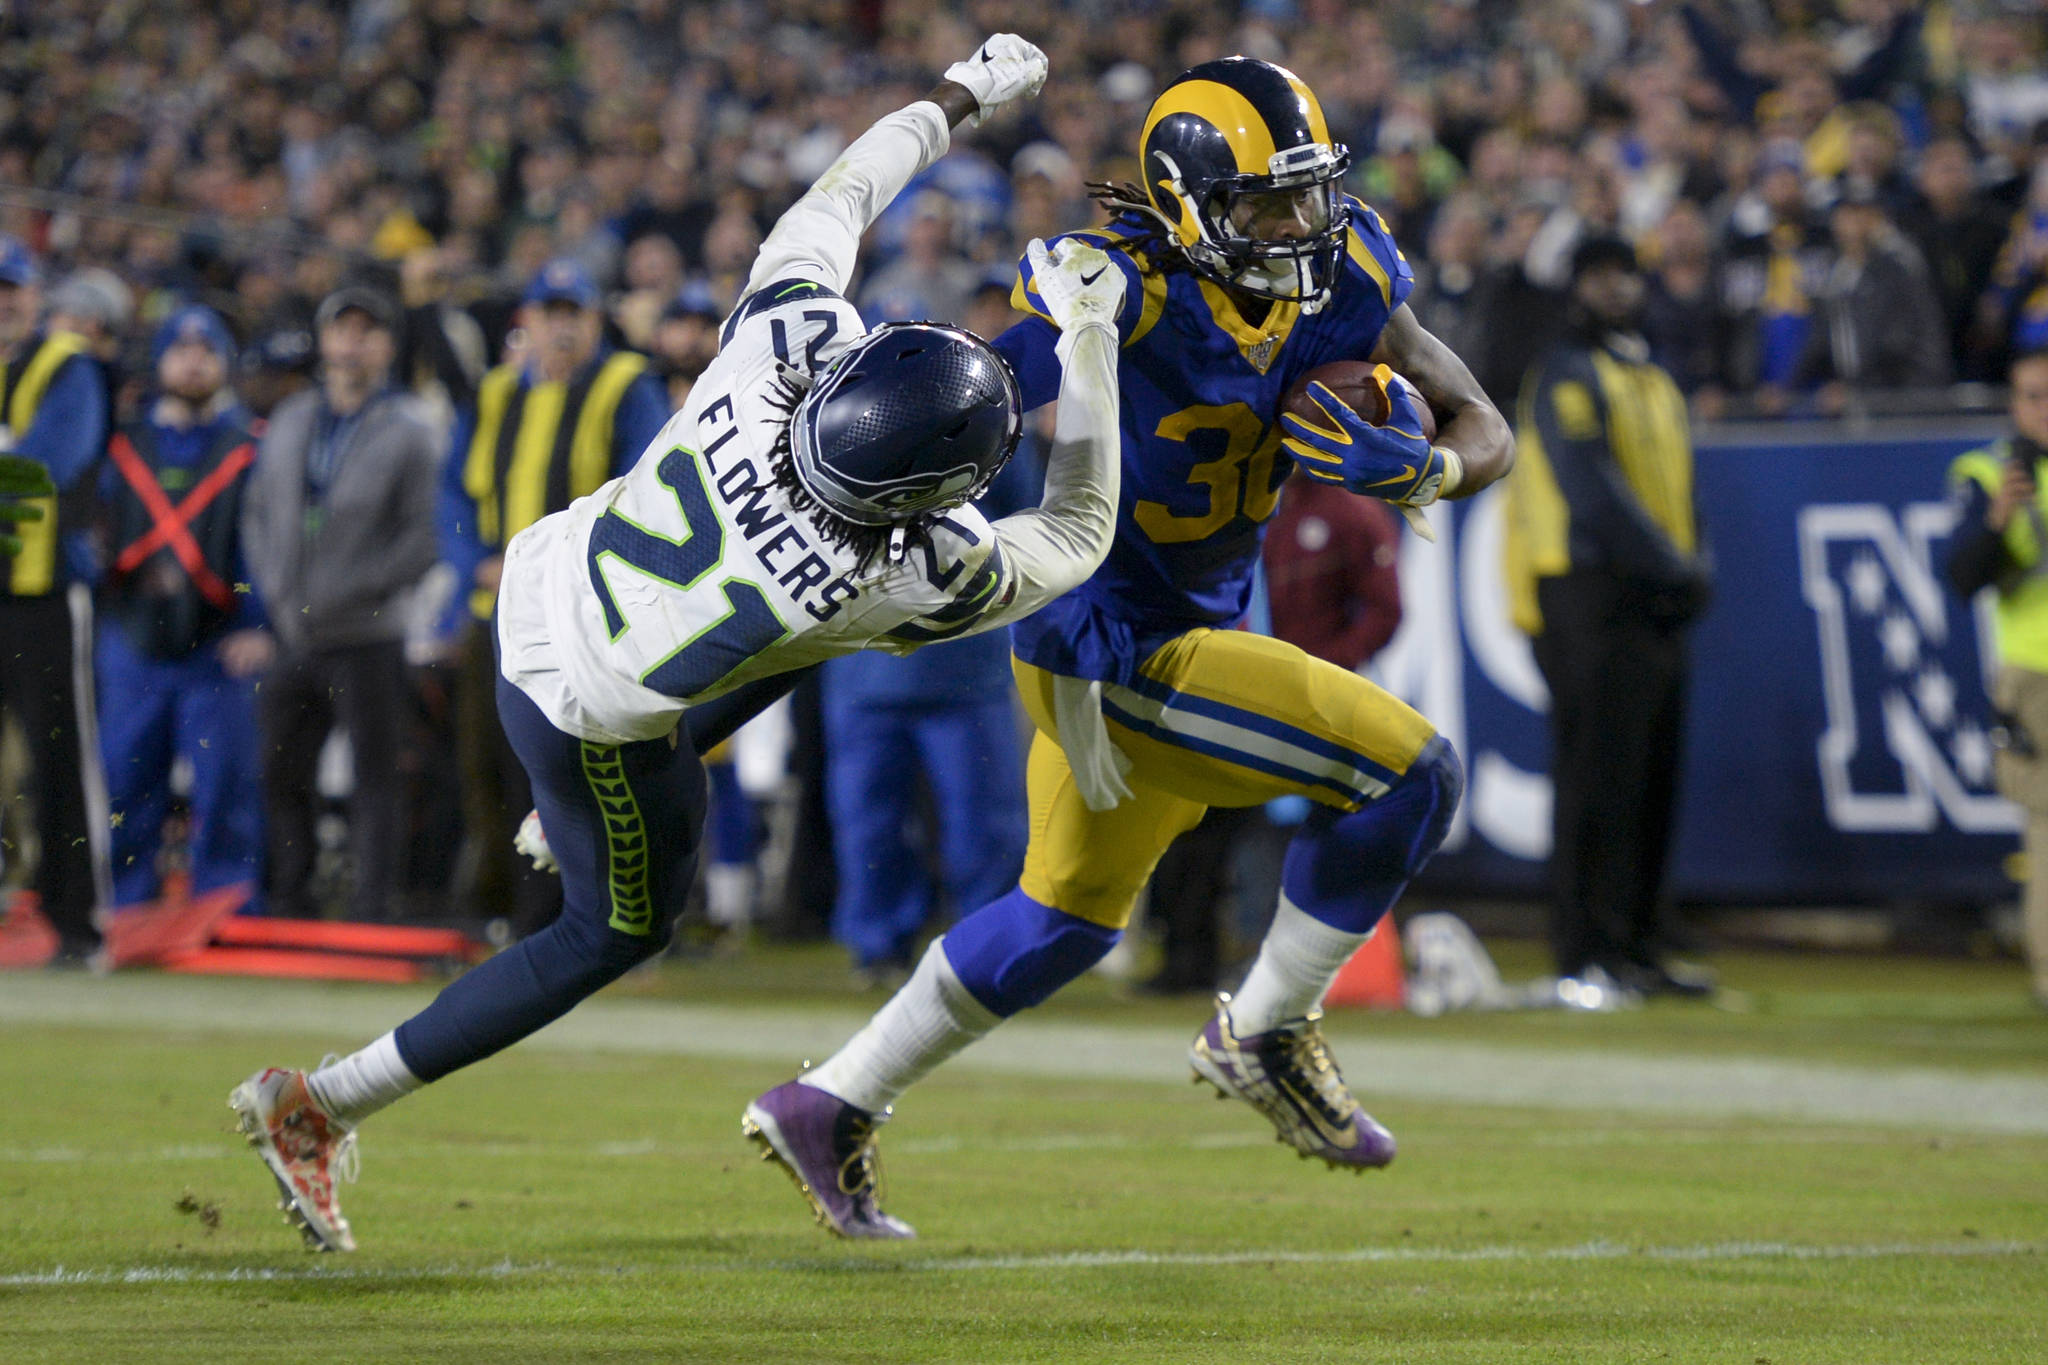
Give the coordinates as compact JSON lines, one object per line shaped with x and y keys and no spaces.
{"x":899,"y":543}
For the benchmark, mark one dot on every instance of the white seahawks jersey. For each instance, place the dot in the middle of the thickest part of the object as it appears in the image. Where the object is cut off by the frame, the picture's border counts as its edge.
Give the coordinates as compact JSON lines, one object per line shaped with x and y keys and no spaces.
{"x":693,"y":574}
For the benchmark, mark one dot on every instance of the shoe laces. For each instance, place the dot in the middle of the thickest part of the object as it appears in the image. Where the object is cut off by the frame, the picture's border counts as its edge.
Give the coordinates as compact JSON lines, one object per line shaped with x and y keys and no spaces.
{"x":1312,"y":1072}
{"x":860,"y":1172}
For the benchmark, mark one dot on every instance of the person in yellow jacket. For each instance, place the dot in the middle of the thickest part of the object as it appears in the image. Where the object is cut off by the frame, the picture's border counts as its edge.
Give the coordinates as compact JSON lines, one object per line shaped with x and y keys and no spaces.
{"x":1606,"y":573}
{"x":547,"y":428}
{"x":53,"y":414}
{"x":1998,"y":544}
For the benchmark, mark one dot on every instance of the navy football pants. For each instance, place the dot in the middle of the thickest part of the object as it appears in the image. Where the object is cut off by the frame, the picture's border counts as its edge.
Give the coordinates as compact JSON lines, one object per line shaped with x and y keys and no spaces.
{"x":624,"y":822}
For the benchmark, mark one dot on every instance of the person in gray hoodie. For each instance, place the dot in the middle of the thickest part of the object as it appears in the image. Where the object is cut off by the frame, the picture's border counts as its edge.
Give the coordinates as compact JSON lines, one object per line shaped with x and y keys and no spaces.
{"x":338,"y":527}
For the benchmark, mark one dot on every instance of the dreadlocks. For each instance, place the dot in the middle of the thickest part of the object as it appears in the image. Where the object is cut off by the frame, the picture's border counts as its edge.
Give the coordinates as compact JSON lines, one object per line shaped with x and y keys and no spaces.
{"x":1126,"y":202}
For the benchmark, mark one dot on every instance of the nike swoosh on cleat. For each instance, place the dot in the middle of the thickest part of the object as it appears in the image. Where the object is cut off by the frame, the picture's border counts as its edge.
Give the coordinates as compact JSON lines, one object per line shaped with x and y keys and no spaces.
{"x":984,"y":53}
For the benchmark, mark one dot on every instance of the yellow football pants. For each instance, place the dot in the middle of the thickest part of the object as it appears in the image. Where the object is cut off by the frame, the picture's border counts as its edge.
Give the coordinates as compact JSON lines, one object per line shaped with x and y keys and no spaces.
{"x":1216,"y":718}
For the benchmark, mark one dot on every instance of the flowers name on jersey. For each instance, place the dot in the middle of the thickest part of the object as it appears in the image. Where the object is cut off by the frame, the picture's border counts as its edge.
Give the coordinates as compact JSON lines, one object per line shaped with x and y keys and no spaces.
{"x":1907,"y":743}
{"x":695,"y":573}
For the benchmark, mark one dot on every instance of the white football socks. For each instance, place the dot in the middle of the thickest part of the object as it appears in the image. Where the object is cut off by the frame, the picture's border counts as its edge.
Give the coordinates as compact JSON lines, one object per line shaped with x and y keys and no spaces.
{"x":929,"y":1020}
{"x":1299,"y":959}
{"x":361,"y":1083}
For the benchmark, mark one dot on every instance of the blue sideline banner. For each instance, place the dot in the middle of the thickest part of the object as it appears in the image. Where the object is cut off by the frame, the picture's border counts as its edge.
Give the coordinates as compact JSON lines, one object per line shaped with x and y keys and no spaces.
{"x":1838,"y":742}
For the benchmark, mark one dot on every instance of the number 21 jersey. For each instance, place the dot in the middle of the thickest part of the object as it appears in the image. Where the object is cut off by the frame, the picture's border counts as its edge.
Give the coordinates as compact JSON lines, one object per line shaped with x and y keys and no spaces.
{"x":693,"y":573}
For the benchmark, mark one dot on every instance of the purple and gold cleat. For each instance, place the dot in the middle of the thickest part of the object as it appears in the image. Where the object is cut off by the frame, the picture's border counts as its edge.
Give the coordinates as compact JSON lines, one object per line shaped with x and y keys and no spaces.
{"x":1287,"y":1074}
{"x":828,"y":1148}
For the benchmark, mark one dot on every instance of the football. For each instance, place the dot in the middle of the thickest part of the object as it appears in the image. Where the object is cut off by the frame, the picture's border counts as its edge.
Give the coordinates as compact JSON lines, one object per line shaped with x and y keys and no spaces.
{"x":1361,"y":384}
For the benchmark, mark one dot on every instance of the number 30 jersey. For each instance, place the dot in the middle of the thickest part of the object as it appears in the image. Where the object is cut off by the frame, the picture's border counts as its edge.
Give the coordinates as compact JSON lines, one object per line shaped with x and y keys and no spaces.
{"x":1202,"y":460}
{"x":693,"y":573}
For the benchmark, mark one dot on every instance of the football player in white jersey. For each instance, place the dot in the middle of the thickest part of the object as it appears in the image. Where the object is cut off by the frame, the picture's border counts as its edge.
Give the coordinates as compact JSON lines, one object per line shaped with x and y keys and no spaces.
{"x":810,"y":500}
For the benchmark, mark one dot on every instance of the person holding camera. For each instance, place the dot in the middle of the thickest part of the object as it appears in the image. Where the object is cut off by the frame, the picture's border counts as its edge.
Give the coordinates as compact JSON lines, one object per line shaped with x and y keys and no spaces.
{"x":1997,"y":544}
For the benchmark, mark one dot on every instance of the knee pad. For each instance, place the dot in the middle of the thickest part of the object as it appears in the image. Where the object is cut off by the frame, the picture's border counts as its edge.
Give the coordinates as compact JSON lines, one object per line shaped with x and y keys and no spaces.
{"x":1347,"y":867}
{"x":1014,"y":952}
{"x":1437,"y":780}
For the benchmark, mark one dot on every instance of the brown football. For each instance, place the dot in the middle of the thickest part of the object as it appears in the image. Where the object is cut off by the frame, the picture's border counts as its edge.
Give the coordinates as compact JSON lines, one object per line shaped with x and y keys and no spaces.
{"x":1362,"y":385}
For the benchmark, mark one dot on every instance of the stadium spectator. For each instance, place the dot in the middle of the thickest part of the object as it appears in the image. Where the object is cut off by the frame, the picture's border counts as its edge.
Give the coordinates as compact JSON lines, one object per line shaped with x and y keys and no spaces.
{"x":929,"y":280}
{"x":1682,"y":314}
{"x":653,"y":278}
{"x":1606,"y":572}
{"x":2004,"y":84}
{"x":2000,"y":534}
{"x":276,"y":364}
{"x":546,"y":429}
{"x":1448,"y":299}
{"x":337,"y":528}
{"x":2017,"y":303}
{"x":179,"y":646}
{"x":53,"y":410}
{"x":685,"y":341}
{"x":1776,"y":255}
{"x":1880,"y":326}
{"x":96,"y":304}
{"x":1958,"y":233}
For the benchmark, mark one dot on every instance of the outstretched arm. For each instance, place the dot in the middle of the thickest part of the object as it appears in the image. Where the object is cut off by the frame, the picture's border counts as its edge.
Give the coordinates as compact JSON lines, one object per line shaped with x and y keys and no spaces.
{"x":820,"y":235}
{"x":1051,"y":549}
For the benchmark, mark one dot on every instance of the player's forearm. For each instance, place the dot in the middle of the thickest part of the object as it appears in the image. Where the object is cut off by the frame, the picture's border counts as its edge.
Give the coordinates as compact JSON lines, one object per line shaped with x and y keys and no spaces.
{"x":820,"y":235}
{"x":1054,"y":547}
{"x":1485,"y":447}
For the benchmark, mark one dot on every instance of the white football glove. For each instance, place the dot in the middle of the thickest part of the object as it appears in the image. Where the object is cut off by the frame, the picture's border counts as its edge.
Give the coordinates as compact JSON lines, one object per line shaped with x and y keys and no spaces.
{"x":1006,"y":68}
{"x":1081,"y":286}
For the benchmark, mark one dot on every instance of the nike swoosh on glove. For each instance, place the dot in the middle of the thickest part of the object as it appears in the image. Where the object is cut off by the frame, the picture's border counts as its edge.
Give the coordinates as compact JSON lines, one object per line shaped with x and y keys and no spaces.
{"x":1006,"y":68}
{"x":1395,"y":462}
{"x":1078,"y":283}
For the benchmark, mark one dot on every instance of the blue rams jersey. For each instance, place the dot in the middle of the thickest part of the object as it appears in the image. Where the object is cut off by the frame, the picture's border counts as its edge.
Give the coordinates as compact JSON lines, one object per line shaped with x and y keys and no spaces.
{"x":1202,"y":458}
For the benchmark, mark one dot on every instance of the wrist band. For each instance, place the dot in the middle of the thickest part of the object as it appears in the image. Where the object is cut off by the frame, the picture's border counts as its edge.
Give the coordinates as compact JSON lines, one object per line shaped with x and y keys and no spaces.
{"x":1454,"y":471}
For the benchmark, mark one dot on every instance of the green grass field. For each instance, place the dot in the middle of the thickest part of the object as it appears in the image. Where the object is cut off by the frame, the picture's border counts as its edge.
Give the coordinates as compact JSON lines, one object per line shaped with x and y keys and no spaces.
{"x":1848,"y":1162}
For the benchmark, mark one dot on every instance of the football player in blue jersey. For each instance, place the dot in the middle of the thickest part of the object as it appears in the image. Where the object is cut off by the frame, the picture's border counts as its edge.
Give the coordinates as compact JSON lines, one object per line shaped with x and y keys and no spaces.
{"x":1246,"y":266}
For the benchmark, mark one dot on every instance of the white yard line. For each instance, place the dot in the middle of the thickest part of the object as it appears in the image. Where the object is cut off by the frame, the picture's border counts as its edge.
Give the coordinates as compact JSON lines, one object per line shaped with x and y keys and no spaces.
{"x":65,"y":1277}
{"x":1380,"y":1069}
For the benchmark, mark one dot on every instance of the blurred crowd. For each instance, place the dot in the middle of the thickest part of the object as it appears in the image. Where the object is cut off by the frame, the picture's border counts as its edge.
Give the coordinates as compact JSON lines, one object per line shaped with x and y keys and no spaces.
{"x":1831,"y":197}
{"x":1830,"y":202}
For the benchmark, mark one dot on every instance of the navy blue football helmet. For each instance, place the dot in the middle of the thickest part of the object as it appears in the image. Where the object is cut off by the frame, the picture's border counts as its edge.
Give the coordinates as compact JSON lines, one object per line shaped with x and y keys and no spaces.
{"x":913,"y":419}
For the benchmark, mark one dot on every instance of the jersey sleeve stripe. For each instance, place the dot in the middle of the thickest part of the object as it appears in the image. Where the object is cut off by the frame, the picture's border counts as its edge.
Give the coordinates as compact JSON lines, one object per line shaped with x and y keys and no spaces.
{"x":1361,"y":255}
{"x":1150,"y":285}
{"x":982,"y":593}
{"x":789,"y":290}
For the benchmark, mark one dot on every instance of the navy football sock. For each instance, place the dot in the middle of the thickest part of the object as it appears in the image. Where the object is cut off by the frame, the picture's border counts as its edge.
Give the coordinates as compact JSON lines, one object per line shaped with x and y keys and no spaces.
{"x":1014,"y":953}
{"x":1348,"y":868}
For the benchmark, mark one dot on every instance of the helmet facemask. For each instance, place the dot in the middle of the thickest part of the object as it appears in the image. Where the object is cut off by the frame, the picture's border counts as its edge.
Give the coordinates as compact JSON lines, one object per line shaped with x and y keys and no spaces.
{"x":1237,"y":230}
